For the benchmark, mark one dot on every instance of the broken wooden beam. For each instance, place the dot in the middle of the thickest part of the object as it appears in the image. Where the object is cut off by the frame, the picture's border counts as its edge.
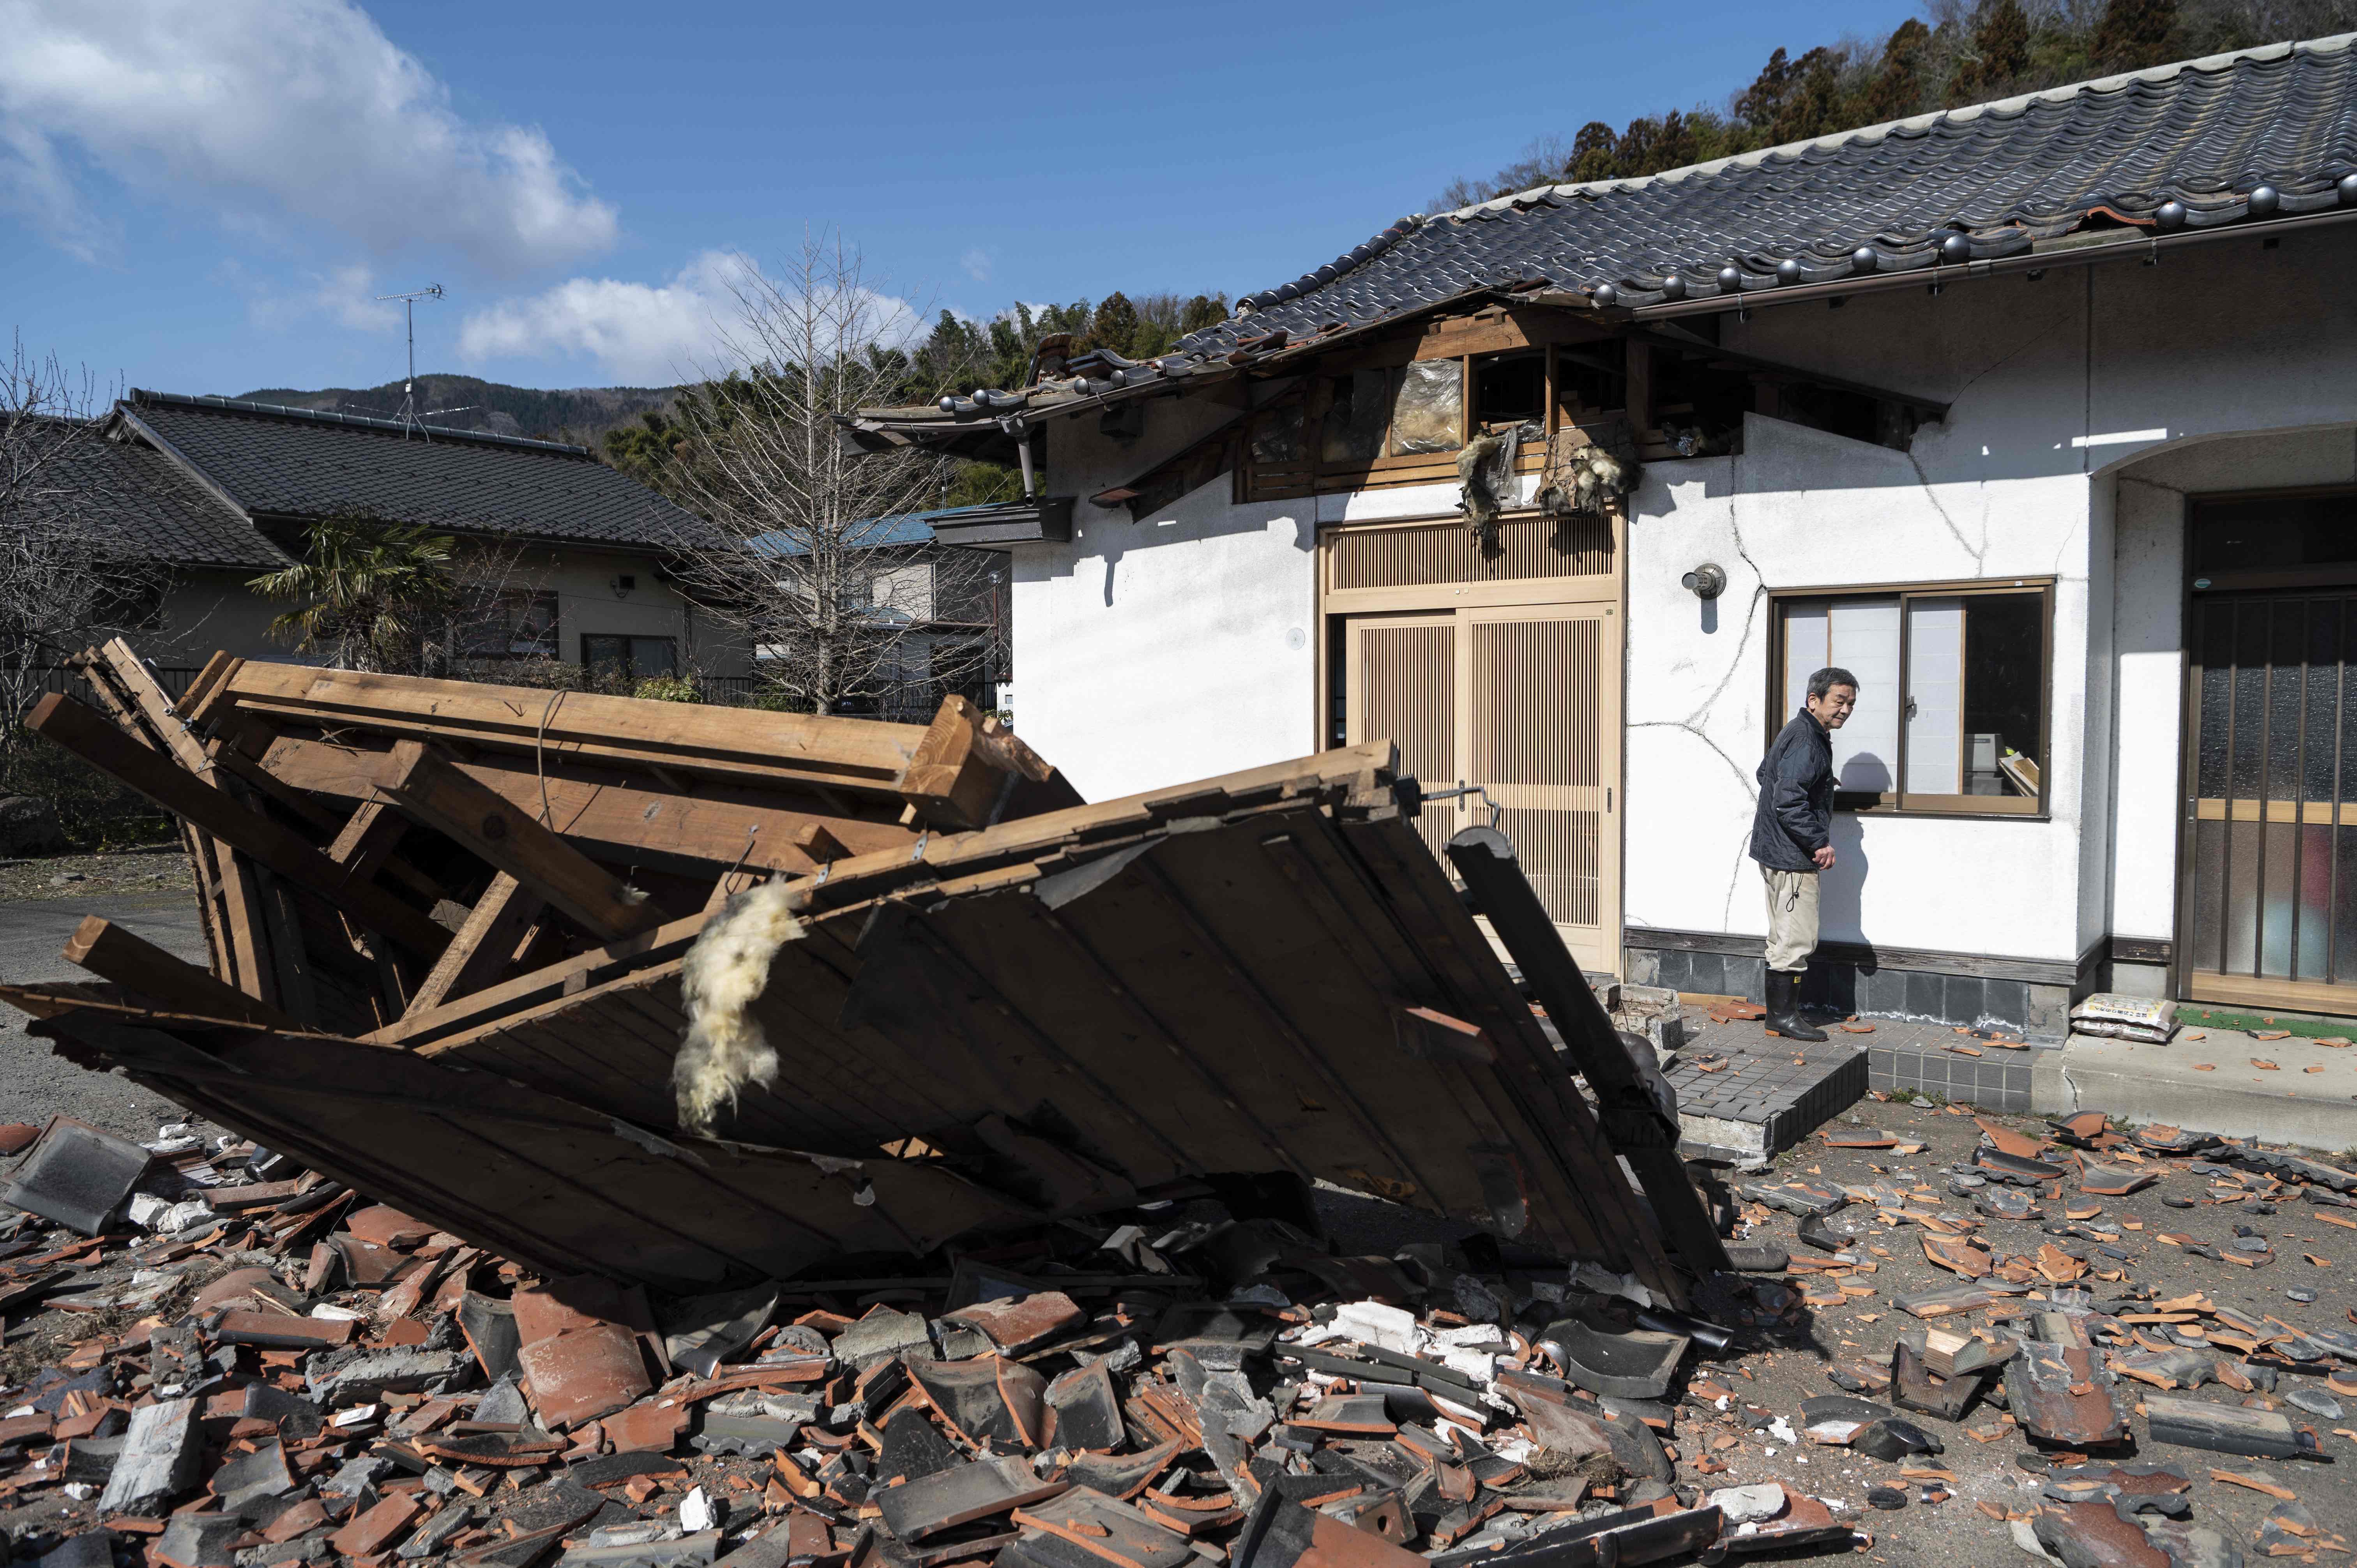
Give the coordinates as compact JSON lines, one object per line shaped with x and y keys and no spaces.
{"x":161,"y":780}
{"x":485,"y":946}
{"x":138,"y":965}
{"x":430,"y":787}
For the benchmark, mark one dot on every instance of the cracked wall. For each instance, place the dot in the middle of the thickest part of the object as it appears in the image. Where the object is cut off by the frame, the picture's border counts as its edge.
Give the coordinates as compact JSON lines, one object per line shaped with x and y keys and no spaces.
{"x":2058,"y":390}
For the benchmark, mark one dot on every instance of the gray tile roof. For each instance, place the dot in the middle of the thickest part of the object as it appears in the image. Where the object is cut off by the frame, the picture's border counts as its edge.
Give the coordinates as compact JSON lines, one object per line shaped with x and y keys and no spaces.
{"x":2182,"y":146}
{"x":297,"y":463}
{"x":146,"y":501}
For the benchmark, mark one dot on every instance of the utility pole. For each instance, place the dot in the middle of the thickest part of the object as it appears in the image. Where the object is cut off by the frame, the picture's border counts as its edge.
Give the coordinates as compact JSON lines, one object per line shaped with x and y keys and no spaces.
{"x":409,"y":388}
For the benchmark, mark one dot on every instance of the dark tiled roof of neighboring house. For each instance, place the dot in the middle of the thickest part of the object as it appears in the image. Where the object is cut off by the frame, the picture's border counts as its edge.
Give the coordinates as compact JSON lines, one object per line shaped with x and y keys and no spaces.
{"x":145,"y":502}
{"x":2205,"y":142}
{"x":298,"y":463}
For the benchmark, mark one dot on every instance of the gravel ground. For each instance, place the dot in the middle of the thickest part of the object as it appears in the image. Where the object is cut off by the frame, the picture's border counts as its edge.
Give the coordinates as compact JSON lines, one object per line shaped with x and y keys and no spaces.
{"x":35,"y":1083}
{"x":1778,"y":1366}
{"x":153,"y":868}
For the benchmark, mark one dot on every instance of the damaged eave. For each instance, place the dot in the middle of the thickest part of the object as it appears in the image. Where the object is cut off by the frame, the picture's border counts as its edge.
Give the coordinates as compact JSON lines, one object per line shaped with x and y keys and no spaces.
{"x":1678,"y":341}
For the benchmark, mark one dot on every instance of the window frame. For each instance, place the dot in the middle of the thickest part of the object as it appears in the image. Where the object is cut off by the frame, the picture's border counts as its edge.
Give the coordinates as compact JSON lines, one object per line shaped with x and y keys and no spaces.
{"x":1899,"y":801}
{"x":513,"y":607}
{"x":630,"y":660}
{"x":2331,"y":575}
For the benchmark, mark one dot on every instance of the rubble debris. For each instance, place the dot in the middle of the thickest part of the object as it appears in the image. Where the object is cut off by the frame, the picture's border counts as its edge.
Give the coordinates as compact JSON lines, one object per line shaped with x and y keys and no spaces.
{"x":2227,"y":1428}
{"x":1634,"y":1363}
{"x":76,"y":1174}
{"x":1241,"y":923}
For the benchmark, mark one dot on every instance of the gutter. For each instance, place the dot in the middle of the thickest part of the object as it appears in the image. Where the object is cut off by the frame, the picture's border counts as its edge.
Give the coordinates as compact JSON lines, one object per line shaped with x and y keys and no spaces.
{"x":2146,"y":247}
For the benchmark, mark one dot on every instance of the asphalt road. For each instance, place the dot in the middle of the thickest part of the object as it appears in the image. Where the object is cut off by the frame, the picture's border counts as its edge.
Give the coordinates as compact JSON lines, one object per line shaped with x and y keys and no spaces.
{"x":33,"y":1083}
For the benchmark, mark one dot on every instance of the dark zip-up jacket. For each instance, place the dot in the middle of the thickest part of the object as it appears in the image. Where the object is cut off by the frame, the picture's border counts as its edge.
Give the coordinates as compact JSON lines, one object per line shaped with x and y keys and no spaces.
{"x":1794,"y":819}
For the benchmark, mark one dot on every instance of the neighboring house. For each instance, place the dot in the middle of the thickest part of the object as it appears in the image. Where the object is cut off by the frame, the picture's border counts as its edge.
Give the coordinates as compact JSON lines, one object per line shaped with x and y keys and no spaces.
{"x":2040,"y":415}
{"x":938,"y":612}
{"x":223,"y":491}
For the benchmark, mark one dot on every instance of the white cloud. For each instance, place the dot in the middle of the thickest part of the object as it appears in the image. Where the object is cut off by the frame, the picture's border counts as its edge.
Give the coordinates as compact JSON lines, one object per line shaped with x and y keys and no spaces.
{"x":977,"y":263}
{"x":649,"y":334}
{"x":265,"y":112}
{"x":653,"y":334}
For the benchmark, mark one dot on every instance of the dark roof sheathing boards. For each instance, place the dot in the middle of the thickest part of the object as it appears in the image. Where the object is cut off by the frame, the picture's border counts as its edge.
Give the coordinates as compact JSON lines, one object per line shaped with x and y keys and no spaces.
{"x":296,"y":463}
{"x":2182,"y":146}
{"x":147,"y":503}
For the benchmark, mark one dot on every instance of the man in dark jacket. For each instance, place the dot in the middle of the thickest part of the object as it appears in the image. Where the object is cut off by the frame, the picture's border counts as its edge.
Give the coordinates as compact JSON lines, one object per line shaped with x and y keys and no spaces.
{"x":1792,"y":840}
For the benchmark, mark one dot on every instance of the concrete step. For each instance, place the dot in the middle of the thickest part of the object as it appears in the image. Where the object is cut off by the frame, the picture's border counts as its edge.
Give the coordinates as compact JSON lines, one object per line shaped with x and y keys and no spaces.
{"x":2208,"y":1085}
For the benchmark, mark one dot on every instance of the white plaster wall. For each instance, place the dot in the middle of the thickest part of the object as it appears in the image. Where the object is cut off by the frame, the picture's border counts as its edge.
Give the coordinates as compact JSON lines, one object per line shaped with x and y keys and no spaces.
{"x":1803,"y":508}
{"x":1171,"y":649}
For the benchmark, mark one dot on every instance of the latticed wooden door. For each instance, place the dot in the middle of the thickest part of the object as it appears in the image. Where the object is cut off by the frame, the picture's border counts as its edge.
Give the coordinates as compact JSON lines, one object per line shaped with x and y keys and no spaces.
{"x":1525,"y":704}
{"x":2268,"y":885}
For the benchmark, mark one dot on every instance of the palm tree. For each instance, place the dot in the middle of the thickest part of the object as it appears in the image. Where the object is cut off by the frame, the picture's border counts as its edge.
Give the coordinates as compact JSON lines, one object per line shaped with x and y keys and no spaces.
{"x":375,"y":589}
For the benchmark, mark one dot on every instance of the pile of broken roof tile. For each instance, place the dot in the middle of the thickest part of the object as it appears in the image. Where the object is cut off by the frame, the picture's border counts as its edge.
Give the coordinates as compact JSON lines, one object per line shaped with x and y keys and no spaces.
{"x":2065,"y":1332}
{"x":216,"y":1362}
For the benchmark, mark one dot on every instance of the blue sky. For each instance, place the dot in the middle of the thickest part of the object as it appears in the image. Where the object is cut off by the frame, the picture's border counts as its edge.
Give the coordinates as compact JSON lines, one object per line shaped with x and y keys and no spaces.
{"x":205,"y":197}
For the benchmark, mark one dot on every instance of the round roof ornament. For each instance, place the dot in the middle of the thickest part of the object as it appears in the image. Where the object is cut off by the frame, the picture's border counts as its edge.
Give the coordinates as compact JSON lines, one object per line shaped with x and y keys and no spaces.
{"x":1673,"y":287}
{"x":2266,"y":201}
{"x":2169,"y":214}
{"x":1606,"y":296}
{"x":1730,"y":276}
{"x":2347,"y":190}
{"x":1863,"y":259}
{"x":1955,"y":249}
{"x":1788,"y":271}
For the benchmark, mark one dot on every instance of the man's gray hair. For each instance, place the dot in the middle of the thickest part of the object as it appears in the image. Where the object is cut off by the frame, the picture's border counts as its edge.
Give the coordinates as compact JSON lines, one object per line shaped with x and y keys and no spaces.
{"x":1826,"y":679}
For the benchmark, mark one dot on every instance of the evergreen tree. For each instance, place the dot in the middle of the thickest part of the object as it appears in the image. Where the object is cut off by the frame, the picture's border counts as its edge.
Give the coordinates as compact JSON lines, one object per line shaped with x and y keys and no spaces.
{"x":1999,"y":55}
{"x":1203,"y":310}
{"x":1897,"y":90}
{"x":1115,"y":325}
{"x":2135,"y":35}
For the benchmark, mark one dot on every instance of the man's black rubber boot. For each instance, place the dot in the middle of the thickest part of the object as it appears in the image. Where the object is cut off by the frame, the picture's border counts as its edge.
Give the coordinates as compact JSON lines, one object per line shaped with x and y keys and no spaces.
{"x":1784,"y":1008}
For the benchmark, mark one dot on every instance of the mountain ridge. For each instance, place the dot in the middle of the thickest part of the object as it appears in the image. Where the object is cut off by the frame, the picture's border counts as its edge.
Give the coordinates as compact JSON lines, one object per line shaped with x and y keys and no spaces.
{"x":578,"y":414}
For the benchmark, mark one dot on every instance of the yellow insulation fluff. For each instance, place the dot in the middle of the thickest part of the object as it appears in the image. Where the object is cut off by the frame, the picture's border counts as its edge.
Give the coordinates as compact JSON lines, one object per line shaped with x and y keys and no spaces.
{"x":721,"y":976}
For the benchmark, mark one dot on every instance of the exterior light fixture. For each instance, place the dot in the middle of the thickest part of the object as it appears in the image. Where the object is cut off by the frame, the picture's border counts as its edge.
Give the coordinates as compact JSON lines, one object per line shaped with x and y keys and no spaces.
{"x":1706,"y":581}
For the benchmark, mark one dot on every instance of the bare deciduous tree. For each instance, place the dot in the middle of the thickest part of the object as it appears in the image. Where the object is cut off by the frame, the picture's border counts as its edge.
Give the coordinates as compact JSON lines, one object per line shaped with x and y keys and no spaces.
{"x":811,"y":558}
{"x":68,"y":575}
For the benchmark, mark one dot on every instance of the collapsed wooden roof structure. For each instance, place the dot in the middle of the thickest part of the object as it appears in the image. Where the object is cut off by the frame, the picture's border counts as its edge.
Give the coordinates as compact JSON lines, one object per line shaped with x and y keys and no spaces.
{"x":995,"y":1005}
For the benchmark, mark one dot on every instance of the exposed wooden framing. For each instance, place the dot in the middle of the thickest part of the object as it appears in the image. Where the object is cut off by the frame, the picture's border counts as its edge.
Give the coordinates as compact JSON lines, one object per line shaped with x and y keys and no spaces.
{"x":766,"y":748}
{"x":95,"y":741}
{"x":368,"y":839}
{"x":203,"y":757}
{"x":1640,"y":389}
{"x":726,"y":885}
{"x":247,"y":929}
{"x":290,"y":956}
{"x":138,"y":965}
{"x":484,"y":946}
{"x":613,"y":816}
{"x":561,"y":979}
{"x":429,"y":786}
{"x":968,"y":766}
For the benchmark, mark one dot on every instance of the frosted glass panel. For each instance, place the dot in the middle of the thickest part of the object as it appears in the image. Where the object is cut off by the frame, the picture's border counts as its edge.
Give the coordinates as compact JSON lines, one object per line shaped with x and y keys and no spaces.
{"x":1860,"y":636}
{"x":1863,"y":634}
{"x":1935,"y":658}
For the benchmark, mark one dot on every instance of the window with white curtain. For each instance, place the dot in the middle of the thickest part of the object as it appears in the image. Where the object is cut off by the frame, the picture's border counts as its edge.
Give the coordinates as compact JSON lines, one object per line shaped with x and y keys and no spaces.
{"x":1952,"y":703}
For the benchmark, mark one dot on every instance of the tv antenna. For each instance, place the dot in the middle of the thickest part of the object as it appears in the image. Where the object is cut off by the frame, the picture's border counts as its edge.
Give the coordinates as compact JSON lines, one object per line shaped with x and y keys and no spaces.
{"x":409,"y":420}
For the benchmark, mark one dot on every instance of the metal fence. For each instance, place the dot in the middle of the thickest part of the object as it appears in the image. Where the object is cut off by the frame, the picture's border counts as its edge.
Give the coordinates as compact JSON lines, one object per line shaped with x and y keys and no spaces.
{"x":175,"y":680}
{"x":914,"y":702}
